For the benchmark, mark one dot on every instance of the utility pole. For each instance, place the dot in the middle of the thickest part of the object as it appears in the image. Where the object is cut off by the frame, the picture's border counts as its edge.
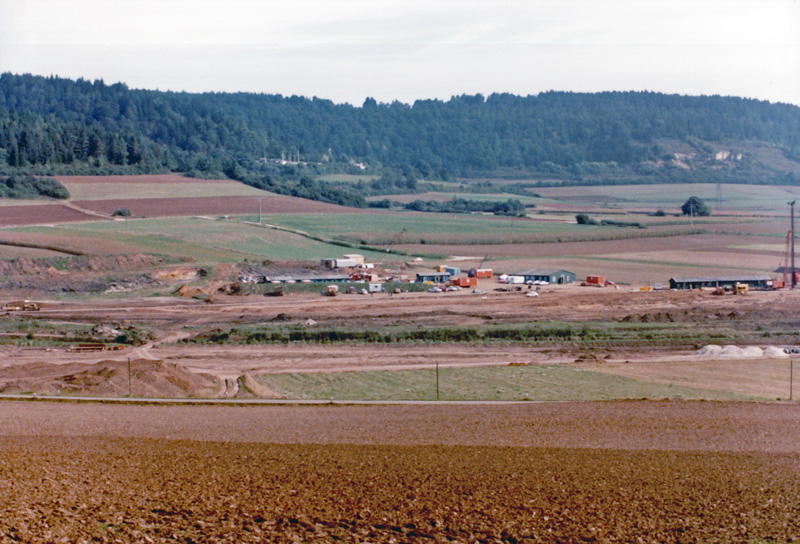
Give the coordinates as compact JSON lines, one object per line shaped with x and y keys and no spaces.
{"x":794,"y":280}
{"x":437,"y":379}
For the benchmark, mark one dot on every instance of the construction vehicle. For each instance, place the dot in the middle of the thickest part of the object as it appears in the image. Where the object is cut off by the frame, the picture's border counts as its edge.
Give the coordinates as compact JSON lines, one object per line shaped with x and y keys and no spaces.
{"x":479,"y":272}
{"x":389,"y":247}
{"x":277,"y":291}
{"x":332,"y":290}
{"x":790,"y":277}
{"x":21,"y":306}
{"x":736,"y":289}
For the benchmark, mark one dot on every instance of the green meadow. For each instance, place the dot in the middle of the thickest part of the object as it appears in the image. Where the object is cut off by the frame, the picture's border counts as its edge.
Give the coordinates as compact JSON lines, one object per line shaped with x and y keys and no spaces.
{"x":506,"y":383}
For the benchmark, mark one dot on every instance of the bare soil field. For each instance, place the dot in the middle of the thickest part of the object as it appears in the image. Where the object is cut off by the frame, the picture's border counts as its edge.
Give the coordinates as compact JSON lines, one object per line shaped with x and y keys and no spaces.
{"x":156,"y":186}
{"x":587,"y":472}
{"x":39,"y":214}
{"x":218,"y":205}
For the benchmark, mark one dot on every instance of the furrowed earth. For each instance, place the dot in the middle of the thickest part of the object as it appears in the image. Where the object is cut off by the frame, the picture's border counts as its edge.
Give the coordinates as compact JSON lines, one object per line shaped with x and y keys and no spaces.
{"x":638,"y":471}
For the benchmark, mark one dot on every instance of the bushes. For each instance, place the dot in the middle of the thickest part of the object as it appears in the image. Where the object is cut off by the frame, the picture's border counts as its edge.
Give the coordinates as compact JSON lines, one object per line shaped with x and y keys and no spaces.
{"x":584,"y":219}
{"x":334,"y":336}
{"x":511,"y":207}
{"x":23,"y":186}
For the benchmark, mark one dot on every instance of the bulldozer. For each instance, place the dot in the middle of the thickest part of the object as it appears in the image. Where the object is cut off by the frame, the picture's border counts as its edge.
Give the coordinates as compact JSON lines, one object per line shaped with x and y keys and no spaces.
{"x":737,"y":289}
{"x":21,"y":306}
{"x":741,"y":289}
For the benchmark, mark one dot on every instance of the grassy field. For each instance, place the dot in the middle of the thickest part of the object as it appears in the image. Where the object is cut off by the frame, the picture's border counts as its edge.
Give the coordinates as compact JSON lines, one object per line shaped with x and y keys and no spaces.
{"x":536,"y":383}
{"x":767,"y":378}
{"x":381,"y":228}
{"x":199,"y":239}
{"x":347,"y":178}
{"x":735,"y":198}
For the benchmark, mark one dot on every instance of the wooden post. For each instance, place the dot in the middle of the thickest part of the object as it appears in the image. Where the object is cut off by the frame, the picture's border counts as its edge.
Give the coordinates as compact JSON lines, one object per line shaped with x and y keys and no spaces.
{"x":437,"y":380}
{"x":129,"y":378}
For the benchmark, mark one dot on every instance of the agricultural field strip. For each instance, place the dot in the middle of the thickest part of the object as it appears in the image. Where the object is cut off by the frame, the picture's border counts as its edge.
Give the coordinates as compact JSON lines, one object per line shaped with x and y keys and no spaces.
{"x":151,"y":235}
{"x":152,"y":242}
{"x":539,"y":383}
{"x":649,"y":425}
{"x":133,"y":191}
{"x":683,"y":264}
{"x":734,"y":196}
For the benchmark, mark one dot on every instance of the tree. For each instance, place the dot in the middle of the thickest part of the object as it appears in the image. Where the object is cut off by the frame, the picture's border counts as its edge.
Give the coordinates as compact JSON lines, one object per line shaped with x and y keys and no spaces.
{"x":695,"y":206}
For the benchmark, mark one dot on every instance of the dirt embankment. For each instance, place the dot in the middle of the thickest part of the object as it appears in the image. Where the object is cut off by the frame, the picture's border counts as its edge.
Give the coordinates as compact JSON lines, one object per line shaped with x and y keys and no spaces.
{"x":117,"y":378}
{"x":92,"y":274}
{"x":145,"y":378}
{"x":38,"y":267}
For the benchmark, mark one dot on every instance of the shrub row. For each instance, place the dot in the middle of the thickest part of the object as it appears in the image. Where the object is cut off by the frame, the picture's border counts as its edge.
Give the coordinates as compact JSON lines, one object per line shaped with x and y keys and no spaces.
{"x":373,"y":337}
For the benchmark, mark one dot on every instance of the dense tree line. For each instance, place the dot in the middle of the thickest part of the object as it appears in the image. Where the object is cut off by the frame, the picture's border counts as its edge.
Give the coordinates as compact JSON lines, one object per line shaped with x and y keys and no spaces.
{"x":51,"y":125}
{"x":510,"y":207}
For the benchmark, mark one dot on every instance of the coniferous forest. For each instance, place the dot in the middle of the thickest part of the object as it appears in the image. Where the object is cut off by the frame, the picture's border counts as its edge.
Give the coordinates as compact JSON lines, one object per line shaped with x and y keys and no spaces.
{"x":52,"y":126}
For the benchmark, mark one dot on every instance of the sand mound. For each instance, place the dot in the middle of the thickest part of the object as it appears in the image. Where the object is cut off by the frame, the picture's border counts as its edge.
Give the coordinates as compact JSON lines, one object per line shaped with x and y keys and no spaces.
{"x":109,"y":378}
{"x":772,"y":351}
{"x":250,"y":387}
{"x":735,"y":352}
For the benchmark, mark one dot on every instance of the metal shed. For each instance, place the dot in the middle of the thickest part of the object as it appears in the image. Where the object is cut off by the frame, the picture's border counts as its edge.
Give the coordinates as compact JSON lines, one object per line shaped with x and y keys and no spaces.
{"x":433,"y":277}
{"x":551,"y":276}
{"x":758,"y":281}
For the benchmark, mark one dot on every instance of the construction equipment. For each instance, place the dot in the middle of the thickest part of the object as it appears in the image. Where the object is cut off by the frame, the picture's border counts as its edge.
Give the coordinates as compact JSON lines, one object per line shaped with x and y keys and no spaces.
{"x":473,"y":272}
{"x":786,"y":264}
{"x":389,"y":247}
{"x":741,"y":289}
{"x":332,"y":290}
{"x":21,"y":306}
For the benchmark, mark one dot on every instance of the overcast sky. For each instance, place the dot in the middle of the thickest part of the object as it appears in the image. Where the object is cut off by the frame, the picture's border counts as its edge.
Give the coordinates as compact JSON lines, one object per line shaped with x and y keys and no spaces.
{"x":347,"y":50}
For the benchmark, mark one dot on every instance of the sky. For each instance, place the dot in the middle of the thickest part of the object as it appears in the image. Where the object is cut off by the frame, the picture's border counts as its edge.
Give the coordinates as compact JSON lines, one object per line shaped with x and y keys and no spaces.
{"x":348,"y":50}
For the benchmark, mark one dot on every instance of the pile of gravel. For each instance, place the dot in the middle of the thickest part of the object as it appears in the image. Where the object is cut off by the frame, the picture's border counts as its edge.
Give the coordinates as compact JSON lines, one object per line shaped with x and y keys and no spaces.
{"x":735,"y":352}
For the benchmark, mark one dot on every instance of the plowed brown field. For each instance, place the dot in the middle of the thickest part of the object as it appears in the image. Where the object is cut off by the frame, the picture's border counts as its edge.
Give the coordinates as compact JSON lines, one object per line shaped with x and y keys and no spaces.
{"x":587,"y":472}
{"x":213,"y":205}
{"x":40,"y":213}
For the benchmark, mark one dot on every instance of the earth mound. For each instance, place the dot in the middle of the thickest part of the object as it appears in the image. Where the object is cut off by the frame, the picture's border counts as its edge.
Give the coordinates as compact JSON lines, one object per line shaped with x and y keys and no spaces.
{"x":110,"y":378}
{"x":735,"y":352}
{"x":249,"y":387}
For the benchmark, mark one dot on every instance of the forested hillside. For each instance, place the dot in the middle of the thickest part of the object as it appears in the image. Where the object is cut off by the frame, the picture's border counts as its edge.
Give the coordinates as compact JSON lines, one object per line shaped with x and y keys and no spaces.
{"x":50,"y":125}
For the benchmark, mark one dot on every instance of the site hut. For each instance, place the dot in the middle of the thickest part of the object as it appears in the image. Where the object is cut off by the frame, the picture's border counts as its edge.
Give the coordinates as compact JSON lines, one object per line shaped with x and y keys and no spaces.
{"x":556,"y":277}
{"x":357,"y":259}
{"x":433,"y":277}
{"x":343,"y":262}
{"x":759,"y":281}
{"x":300,"y":277}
